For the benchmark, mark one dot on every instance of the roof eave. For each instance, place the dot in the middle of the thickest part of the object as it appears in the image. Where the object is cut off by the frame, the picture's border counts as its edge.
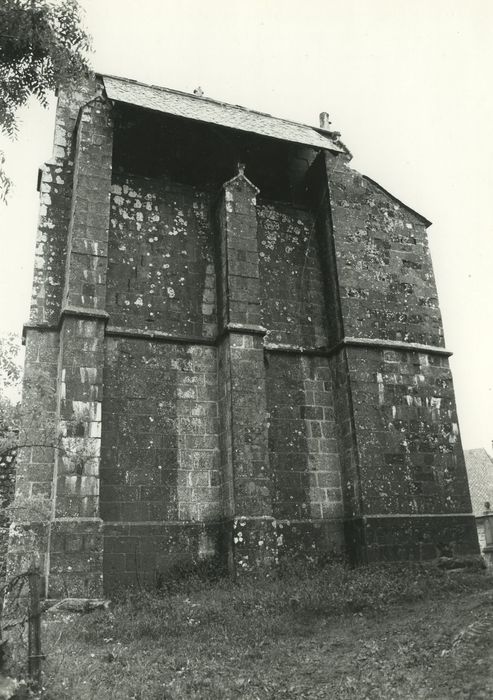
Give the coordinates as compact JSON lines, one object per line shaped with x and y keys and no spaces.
{"x":330,"y":146}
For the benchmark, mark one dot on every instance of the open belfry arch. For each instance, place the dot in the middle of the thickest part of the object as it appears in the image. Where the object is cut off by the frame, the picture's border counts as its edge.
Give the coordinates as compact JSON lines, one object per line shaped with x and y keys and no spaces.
{"x":245,"y":343}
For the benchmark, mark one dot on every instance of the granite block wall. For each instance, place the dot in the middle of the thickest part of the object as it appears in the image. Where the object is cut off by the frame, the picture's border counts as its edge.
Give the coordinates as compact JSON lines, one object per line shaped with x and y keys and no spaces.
{"x":407,"y":426}
{"x":55,"y":184}
{"x":160,"y":443}
{"x":385,"y":276}
{"x":303,"y":450}
{"x":161,"y":272}
{"x":160,"y":452}
{"x":34,"y":467}
{"x":292,"y":285}
{"x":236,"y":376}
{"x":149,"y":554}
{"x":398,"y":430}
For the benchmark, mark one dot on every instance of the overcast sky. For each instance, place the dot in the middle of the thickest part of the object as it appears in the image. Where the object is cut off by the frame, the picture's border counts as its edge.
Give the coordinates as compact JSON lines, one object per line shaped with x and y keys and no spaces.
{"x":407,"y":82}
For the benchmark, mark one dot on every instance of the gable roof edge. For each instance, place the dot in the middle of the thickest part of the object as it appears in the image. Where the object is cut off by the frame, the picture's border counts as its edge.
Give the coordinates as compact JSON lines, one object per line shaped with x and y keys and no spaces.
{"x":419,"y":216}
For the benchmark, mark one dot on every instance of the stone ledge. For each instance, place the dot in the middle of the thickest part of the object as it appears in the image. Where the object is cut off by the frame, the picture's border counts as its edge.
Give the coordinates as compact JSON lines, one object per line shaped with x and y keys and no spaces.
{"x":40,"y":327}
{"x":84,"y":312}
{"x":376,"y":343}
{"x":80,"y":605}
{"x":244,"y":328}
{"x":391,"y":345}
{"x":410,"y":515}
{"x":296,"y":350}
{"x":73,"y":311}
{"x":159,"y":336}
{"x":162,"y":336}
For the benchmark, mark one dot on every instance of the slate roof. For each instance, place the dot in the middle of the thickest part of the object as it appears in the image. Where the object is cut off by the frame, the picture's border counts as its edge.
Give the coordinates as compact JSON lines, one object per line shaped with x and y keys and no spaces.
{"x":204,"y":109}
{"x":479,"y":467}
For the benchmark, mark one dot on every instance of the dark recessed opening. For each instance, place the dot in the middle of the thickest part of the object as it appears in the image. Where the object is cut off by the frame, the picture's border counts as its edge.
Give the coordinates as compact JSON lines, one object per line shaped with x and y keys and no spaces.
{"x":157,"y":145}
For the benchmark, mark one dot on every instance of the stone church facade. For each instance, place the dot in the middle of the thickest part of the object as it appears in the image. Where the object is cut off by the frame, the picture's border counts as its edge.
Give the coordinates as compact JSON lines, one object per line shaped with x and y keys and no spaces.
{"x":245,"y":347}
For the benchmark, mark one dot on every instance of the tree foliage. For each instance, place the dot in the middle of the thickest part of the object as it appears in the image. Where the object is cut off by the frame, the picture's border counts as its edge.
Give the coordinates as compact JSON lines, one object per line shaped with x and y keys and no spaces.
{"x":10,"y":367}
{"x":10,"y":382}
{"x":42,"y":44}
{"x":5,"y":181}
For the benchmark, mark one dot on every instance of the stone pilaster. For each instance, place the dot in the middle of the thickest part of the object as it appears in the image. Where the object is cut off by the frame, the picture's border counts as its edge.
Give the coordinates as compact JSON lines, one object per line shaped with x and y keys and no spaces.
{"x":75,"y":539}
{"x":247,"y":483}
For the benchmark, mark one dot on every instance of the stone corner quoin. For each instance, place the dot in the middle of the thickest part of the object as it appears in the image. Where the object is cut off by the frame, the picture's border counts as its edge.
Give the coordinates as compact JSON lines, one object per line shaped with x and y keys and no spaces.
{"x":245,"y":343}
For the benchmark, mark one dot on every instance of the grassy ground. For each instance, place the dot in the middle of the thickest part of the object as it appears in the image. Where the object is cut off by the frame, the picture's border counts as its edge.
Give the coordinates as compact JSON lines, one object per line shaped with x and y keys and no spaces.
{"x":376,"y":633}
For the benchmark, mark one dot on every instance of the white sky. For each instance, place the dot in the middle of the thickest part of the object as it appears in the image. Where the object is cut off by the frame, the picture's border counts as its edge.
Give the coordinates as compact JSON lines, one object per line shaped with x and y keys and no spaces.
{"x":407,"y":82}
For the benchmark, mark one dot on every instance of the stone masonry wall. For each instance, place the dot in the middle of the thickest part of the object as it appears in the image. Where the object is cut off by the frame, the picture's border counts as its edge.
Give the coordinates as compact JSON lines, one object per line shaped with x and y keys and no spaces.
{"x":400,"y":448}
{"x":386,"y":282}
{"x":35,"y":460}
{"x":75,"y":562}
{"x":290,"y":276}
{"x":303,"y":450}
{"x":34,"y":470}
{"x":408,"y":433}
{"x":148,"y":554}
{"x":160,"y":452}
{"x":229,"y":377}
{"x":51,"y":243}
{"x":161,"y":273}
{"x":242,"y":382}
{"x":56,"y":188}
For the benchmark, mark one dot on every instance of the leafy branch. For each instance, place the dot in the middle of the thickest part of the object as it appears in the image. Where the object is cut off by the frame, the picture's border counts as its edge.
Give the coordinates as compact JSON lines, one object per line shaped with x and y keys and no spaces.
{"x":42,"y":44}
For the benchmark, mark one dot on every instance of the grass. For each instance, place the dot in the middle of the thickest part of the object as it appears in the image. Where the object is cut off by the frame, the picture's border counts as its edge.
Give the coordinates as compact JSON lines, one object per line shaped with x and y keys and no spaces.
{"x":374,"y":632}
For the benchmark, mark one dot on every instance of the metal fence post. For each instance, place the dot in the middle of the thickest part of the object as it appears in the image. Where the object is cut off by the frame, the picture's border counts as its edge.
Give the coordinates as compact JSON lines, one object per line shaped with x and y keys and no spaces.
{"x":34,"y":655}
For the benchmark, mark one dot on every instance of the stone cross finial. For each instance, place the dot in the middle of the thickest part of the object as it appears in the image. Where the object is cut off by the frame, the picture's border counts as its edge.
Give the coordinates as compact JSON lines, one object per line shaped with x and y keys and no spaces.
{"x":241,"y":168}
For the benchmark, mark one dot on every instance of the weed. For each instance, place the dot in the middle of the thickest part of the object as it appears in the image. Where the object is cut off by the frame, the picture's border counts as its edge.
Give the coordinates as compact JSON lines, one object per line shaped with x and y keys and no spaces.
{"x":226,"y":639}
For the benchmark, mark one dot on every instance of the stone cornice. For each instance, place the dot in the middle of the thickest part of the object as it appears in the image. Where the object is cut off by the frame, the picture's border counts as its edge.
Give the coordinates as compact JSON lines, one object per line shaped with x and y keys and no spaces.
{"x":246,"y":329}
{"x":370,"y":343}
